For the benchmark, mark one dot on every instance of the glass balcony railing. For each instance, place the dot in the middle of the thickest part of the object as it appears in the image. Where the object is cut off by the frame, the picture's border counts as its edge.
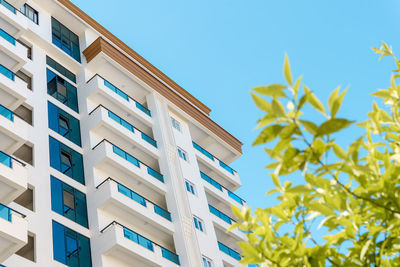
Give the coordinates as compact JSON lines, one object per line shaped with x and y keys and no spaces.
{"x":170,"y":256}
{"x":8,"y":6}
{"x":235,"y":197}
{"x":162,"y":212}
{"x":142,"y":201}
{"x":131,"y":128}
{"x":6,"y":72}
{"x":138,"y":239}
{"x":220,"y":214}
{"x":5,"y":112}
{"x":226,"y":167}
{"x":7,"y":37}
{"x":6,"y":159}
{"x":5,"y":213}
{"x":135,"y":162}
{"x":126,"y":97}
{"x":202,"y":150}
{"x":229,"y":251}
{"x":211,"y":181}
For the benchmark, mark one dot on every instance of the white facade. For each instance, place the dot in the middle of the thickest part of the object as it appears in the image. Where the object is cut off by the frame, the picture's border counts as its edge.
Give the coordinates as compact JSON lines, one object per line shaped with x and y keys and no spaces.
{"x":142,"y":195}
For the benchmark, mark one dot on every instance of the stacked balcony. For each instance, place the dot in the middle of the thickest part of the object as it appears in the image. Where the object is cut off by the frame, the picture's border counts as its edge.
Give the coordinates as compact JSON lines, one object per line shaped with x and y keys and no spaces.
{"x":13,"y":90}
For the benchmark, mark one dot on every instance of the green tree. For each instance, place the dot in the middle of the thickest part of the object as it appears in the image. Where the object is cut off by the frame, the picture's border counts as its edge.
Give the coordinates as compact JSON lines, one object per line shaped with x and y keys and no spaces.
{"x":347,"y":210}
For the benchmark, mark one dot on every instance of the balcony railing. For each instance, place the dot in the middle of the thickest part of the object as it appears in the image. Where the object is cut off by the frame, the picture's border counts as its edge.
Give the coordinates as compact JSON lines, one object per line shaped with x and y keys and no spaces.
{"x":229,"y":251}
{"x":212,"y":157}
{"x":8,"y":6}
{"x":221,"y":188}
{"x":132,"y":160}
{"x":127,"y":125}
{"x":221,"y":215}
{"x":8,"y":160}
{"x":123,"y":95}
{"x":24,"y":12}
{"x":6,"y":72}
{"x":7,"y":37}
{"x":6,"y":213}
{"x":5,"y":112}
{"x":138,"y":198}
{"x":145,"y":242}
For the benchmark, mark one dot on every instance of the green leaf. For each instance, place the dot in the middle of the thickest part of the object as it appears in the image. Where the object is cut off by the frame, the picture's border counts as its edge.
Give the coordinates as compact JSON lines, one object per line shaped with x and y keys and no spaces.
{"x":268,"y":134}
{"x":261,"y":103}
{"x":274,"y":90}
{"x":365,"y":249}
{"x":335,"y":101}
{"x":339,"y":152}
{"x":310,"y":126}
{"x":277,"y":108}
{"x":296,"y":87}
{"x":286,"y":70}
{"x":314,"y":101}
{"x":383,"y":93}
{"x":302,"y":101}
{"x":332,"y":126}
{"x":276,"y":181}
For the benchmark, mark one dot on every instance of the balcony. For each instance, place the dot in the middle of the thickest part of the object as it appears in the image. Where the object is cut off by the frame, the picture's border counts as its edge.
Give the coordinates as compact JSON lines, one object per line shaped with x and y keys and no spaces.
{"x":221,"y":192}
{"x":112,"y":161}
{"x":100,"y":91}
{"x":13,"y":232}
{"x":107,"y":124}
{"x":17,"y":3}
{"x":13,"y":90}
{"x":230,"y":257}
{"x":13,"y":178}
{"x":11,"y":19}
{"x":223,"y":222}
{"x":14,"y":131}
{"x":13,"y":55}
{"x":119,"y":245}
{"x":122,"y":202}
{"x":231,"y":178}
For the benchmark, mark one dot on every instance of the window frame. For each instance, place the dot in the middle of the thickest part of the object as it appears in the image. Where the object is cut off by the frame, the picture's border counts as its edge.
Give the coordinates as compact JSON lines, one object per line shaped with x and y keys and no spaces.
{"x":62,"y":118}
{"x":199,"y":224}
{"x":190,"y":185}
{"x":207,"y":262}
{"x":176,"y":124}
{"x":183,"y":154}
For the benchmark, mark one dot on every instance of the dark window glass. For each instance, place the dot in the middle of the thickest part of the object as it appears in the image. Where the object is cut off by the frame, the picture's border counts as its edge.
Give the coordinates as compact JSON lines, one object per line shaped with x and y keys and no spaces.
{"x":66,"y":160}
{"x":52,"y":63}
{"x":62,"y":90}
{"x":70,"y":247}
{"x":30,"y":13}
{"x":65,"y":39}
{"x":64,"y":124}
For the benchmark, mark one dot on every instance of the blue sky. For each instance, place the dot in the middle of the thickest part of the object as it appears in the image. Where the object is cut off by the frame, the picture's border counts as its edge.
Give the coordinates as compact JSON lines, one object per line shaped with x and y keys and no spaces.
{"x":219,"y":49}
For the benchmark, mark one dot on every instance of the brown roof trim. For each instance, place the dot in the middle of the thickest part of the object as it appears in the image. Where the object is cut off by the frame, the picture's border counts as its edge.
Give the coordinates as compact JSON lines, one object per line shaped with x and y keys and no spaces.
{"x":101,"y":45}
{"x":78,"y":12}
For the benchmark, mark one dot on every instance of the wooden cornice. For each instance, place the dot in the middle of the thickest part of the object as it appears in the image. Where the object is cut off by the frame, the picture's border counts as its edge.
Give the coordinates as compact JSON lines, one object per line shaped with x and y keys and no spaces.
{"x":101,"y":45}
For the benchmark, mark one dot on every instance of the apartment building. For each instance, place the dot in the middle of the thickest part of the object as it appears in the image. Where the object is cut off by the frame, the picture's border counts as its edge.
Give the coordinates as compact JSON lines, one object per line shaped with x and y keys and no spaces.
{"x":104,"y":160}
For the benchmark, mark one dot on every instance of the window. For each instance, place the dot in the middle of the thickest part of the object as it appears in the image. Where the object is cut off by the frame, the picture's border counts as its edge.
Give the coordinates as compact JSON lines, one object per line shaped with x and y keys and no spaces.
{"x":64,"y":124}
{"x":198,"y":223}
{"x":190,"y":187}
{"x":207,"y":262}
{"x":30,"y":13}
{"x":63,"y":38}
{"x":62,"y":90}
{"x":66,"y":160}
{"x":52,"y":63}
{"x":68,"y":202}
{"x":70,"y":247}
{"x":182,"y":154}
{"x":176,"y":124}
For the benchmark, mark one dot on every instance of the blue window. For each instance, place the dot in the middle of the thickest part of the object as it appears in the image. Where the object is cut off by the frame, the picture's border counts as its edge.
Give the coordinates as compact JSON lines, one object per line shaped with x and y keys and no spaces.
{"x":68,"y":202}
{"x":30,"y":13}
{"x":65,"y":39}
{"x":182,"y":154}
{"x":207,"y":262}
{"x":198,"y":223}
{"x":66,"y":160}
{"x":52,"y":63}
{"x":190,"y":187}
{"x":70,"y":247}
{"x":62,"y":90}
{"x":64,"y":124}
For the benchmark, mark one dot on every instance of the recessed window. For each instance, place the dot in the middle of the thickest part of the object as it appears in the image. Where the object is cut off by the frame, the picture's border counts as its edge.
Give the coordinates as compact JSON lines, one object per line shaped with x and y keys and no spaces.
{"x":66,"y":161}
{"x":198,"y":223}
{"x":182,"y":154}
{"x":190,"y":187}
{"x":69,"y":201}
{"x":63,"y":123}
{"x":207,"y":262}
{"x":30,"y":13}
{"x":176,"y":124}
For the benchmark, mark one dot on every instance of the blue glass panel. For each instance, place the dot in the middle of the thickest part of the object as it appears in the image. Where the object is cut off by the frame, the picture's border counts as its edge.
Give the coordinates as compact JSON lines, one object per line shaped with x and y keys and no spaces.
{"x":235,"y":197}
{"x":135,"y":237}
{"x":8,"y":6}
{"x":202,"y":150}
{"x":155,"y":174}
{"x":126,"y":156}
{"x":160,"y":211}
{"x":211,"y":181}
{"x":149,"y":140}
{"x":132,"y":160}
{"x":116,"y":90}
{"x":7,"y":37}
{"x":6,"y":72}
{"x":220,"y":214}
{"x":229,"y":251}
{"x":142,"y":108}
{"x":65,"y":39}
{"x":5,"y":112}
{"x":59,"y":243}
{"x":170,"y":255}
{"x":131,"y":194}
{"x":5,"y":213}
{"x":226,"y":167}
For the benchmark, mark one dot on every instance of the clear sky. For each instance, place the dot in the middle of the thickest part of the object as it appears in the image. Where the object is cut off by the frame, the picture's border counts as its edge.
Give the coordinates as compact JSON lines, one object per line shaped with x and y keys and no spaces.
{"x":219,"y":49}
